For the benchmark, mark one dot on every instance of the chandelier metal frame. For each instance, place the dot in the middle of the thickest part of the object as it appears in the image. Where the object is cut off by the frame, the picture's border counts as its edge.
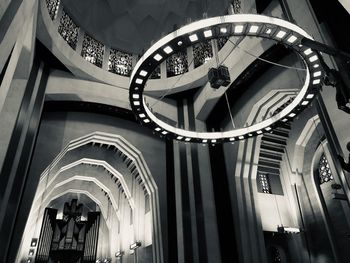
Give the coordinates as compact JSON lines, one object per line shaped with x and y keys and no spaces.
{"x":224,"y":26}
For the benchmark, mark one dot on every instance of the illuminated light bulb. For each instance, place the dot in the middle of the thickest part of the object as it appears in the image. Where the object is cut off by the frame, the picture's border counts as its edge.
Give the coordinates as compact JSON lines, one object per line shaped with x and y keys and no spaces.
{"x":168,"y":50}
{"x":313,"y":58}
{"x":143,"y":73}
{"x":208,"y":33}
{"x":317,"y":73}
{"x":292,"y":39}
{"x":157,"y":57}
{"x":193,"y":37}
{"x":223,"y":30}
{"x":281,"y":34}
{"x":316,"y":81}
{"x":238,"y":29}
{"x":253,"y":29}
{"x":307,"y":51}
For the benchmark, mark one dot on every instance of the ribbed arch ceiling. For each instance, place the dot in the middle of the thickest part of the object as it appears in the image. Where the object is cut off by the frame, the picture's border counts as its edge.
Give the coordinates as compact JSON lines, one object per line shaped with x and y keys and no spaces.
{"x":124,"y":151}
{"x":75,"y":188}
{"x":78,"y":167}
{"x":75,"y":185}
{"x":66,"y":172}
{"x":102,"y":180}
{"x":89,"y":204}
{"x":95,"y":178}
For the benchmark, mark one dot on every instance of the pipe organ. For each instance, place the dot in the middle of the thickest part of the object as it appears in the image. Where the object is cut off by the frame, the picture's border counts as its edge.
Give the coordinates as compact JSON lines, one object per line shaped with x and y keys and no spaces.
{"x":69,"y":239}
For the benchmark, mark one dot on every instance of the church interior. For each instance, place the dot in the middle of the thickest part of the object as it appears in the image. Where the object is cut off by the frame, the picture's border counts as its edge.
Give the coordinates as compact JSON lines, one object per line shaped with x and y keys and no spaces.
{"x":188,"y":131}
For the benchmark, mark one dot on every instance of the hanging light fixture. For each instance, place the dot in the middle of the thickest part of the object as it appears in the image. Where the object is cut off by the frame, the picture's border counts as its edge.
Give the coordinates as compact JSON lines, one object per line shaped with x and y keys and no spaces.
{"x":272,"y":28}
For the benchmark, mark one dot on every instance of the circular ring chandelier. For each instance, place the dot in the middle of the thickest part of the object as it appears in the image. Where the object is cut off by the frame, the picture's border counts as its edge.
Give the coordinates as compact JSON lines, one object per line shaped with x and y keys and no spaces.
{"x":232,"y":25}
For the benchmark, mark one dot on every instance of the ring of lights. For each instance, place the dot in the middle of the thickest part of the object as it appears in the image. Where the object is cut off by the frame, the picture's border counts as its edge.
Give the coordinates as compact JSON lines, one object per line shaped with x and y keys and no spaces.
{"x":238,"y":25}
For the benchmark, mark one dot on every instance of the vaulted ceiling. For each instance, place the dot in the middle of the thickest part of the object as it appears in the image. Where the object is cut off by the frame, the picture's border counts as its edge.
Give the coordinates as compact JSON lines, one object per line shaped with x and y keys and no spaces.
{"x":131,"y":25}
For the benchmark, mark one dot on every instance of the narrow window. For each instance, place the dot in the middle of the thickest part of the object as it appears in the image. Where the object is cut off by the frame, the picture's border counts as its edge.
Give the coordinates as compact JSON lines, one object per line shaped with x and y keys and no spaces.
{"x":264,"y":183}
{"x":324,"y":171}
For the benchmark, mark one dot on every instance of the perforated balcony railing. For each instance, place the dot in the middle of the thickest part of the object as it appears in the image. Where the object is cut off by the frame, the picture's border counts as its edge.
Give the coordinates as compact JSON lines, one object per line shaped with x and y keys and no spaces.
{"x":92,"y":50}
{"x":177,"y":64}
{"x":68,"y":30}
{"x":120,"y":62}
{"x":52,"y":7}
{"x":202,"y":53}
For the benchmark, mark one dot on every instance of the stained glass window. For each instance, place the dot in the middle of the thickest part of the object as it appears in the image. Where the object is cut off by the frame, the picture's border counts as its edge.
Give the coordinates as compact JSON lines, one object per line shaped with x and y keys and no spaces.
{"x":120,"y":62}
{"x":92,"y":50}
{"x":202,"y":53}
{"x":52,"y":7}
{"x":177,"y":64}
{"x":264,"y":183}
{"x":68,"y":30}
{"x":324,"y":171}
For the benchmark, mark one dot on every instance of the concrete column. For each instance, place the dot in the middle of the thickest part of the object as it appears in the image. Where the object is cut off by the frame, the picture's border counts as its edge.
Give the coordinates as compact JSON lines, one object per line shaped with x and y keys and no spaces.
{"x":3,"y":7}
{"x":163,"y":70}
{"x":214,"y":46}
{"x":15,"y":184}
{"x":13,"y":19}
{"x":197,"y":232}
{"x":21,"y":100}
{"x":134,"y":60}
{"x":190,"y":58}
{"x":14,"y":82}
{"x":105,"y":61}
{"x":208,"y":201}
{"x":190,"y":182}
{"x":178,"y":201}
{"x":80,"y":40}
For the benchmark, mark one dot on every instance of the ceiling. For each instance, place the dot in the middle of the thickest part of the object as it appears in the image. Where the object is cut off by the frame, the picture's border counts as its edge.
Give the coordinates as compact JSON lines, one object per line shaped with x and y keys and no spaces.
{"x":131,"y":25}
